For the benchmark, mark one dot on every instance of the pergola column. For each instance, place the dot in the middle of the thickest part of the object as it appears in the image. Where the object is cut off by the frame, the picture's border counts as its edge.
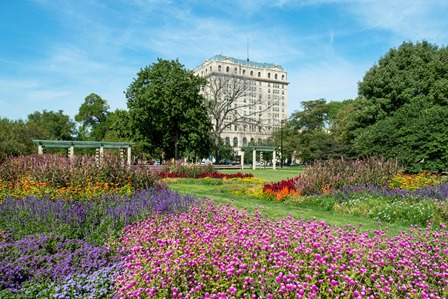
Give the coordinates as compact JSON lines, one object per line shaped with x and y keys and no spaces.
{"x":71,"y":152}
{"x":254,"y":158}
{"x":129,"y":155}
{"x":101,"y":153}
{"x":274,"y":160}
{"x":40,"y":150}
{"x":242,"y":159}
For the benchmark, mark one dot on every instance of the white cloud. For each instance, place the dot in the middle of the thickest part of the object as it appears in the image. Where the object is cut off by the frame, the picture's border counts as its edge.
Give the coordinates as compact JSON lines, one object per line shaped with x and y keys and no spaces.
{"x":407,"y":20}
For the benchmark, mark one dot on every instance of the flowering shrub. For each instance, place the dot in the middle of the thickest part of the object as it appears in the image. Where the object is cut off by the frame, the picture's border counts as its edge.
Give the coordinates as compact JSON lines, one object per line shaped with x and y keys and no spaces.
{"x":413,"y":181}
{"x":410,"y":206}
{"x":49,"y":258}
{"x":216,"y":251}
{"x":248,"y":186}
{"x":324,"y":176}
{"x":26,"y":186}
{"x":190,"y":170}
{"x":212,"y":175}
{"x":172,"y":175}
{"x":281,"y":190}
{"x":61,"y":172}
{"x":97,"y":284}
{"x":91,"y":220}
{"x":218,"y":175}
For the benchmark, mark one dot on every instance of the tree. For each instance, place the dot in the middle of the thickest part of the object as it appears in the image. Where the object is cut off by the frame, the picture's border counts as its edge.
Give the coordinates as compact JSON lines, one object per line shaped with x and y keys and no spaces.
{"x":308,"y":135}
{"x":167,"y":112}
{"x":16,"y":138}
{"x":401,"y":109}
{"x":56,"y":125}
{"x":229,"y":103}
{"x":92,"y":115}
{"x":118,"y":126}
{"x":313,"y":117}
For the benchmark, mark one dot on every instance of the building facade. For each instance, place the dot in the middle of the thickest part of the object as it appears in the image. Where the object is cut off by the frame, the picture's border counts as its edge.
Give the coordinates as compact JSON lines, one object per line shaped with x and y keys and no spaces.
{"x":260,"y":109}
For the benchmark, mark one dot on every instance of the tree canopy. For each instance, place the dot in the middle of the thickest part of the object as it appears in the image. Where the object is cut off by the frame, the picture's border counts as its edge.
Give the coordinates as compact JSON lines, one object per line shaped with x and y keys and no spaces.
{"x":56,"y":125}
{"x":92,"y":115}
{"x":167,"y":112}
{"x":401,"y":109}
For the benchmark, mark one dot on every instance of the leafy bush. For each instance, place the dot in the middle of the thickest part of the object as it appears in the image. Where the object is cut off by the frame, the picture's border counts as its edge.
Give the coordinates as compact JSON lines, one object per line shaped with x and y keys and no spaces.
{"x":324,"y":176}
{"x":217,"y":251}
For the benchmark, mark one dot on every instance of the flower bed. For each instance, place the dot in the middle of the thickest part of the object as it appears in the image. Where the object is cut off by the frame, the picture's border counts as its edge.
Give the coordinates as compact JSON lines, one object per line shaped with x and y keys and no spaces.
{"x":216,"y":251}
{"x":281,"y":190}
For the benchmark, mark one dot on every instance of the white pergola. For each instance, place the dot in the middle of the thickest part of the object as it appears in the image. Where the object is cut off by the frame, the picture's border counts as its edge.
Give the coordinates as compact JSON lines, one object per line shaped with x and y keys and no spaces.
{"x":71,"y":145}
{"x":259,"y":148}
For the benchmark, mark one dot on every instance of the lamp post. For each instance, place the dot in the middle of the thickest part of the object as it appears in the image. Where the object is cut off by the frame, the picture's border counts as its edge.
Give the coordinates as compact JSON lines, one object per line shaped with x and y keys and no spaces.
{"x":281,"y":143}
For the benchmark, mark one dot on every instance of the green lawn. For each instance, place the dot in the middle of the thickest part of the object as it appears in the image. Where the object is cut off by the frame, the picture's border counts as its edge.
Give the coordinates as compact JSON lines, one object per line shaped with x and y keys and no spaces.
{"x":276,"y":209}
{"x":269,"y":174}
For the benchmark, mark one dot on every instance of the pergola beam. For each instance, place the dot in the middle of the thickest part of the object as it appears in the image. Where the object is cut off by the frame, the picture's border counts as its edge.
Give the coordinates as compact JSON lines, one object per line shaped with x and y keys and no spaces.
{"x":71,"y":145}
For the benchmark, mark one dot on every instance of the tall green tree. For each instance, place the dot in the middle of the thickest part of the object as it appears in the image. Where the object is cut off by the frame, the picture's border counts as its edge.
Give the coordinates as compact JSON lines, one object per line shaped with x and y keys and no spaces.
{"x":118,"y":126}
{"x":92,"y":116}
{"x":314,"y":116}
{"x":401,"y":109}
{"x":16,"y":137}
{"x":56,"y":125}
{"x":308,"y":133}
{"x":167,"y":111}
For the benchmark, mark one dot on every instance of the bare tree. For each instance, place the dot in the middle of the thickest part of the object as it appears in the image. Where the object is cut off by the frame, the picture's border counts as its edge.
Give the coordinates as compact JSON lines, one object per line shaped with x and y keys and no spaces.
{"x":229,"y":99}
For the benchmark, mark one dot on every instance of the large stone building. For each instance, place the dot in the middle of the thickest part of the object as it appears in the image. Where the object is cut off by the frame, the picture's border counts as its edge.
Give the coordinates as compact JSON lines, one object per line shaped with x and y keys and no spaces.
{"x":259,"y":109}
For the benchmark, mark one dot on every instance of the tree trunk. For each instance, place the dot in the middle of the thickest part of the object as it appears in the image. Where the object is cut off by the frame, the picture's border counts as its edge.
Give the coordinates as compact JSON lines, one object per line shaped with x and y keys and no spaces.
{"x":176,"y":147}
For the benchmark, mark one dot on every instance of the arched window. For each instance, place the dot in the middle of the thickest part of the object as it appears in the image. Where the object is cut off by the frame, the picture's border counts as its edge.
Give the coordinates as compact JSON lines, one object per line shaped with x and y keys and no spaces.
{"x":227,"y":140}
{"x":283,"y":77}
{"x":259,"y":74}
{"x":219,"y":68}
{"x":269,"y":75}
{"x":275,"y":76}
{"x":227,"y":69}
{"x":244,"y":72}
{"x":235,"y":142}
{"x":252,"y":140}
{"x":251,"y":73}
{"x":235,"y":71}
{"x":260,"y":142}
{"x":244,"y":141}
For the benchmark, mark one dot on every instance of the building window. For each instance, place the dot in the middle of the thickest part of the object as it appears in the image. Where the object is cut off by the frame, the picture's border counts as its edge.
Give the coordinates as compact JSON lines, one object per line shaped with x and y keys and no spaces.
{"x":210,"y":69}
{"x":259,"y":74}
{"x":244,"y":141}
{"x":235,"y":70}
{"x":244,"y":72}
{"x":251,"y":73}
{"x":235,"y":142}
{"x":283,"y":77}
{"x":219,"y":68}
{"x":227,"y":69}
{"x":275,"y":76}
{"x":269,"y":75}
{"x":227,"y":140}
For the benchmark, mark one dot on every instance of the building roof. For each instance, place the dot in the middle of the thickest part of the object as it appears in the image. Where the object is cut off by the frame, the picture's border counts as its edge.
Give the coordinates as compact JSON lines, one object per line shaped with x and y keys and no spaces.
{"x":243,"y":62}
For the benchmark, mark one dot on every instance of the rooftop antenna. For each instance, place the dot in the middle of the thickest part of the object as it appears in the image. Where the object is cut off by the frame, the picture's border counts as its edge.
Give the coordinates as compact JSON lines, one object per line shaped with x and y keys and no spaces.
{"x":247,"y":49}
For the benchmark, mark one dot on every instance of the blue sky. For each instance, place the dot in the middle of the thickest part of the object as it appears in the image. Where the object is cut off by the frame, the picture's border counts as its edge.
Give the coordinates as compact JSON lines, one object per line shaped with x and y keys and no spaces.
{"x":54,"y":53}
